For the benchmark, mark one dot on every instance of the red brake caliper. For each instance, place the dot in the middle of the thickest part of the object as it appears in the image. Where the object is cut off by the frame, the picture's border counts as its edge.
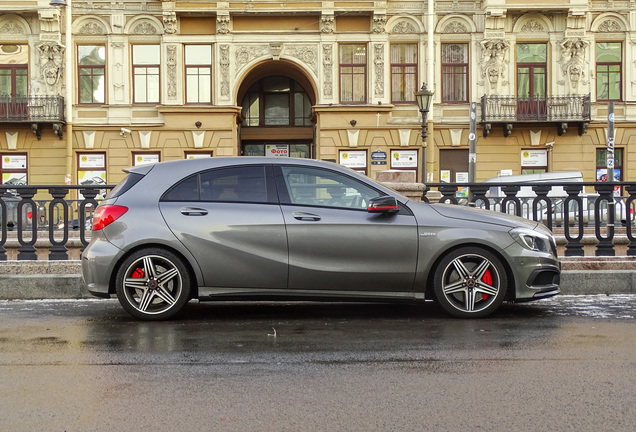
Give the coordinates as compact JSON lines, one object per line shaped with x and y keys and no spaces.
{"x":138,"y":273}
{"x":487,"y":278}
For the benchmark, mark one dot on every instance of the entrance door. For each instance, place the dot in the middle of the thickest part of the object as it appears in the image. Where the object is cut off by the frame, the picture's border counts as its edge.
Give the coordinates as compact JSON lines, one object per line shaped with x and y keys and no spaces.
{"x":13,"y":92}
{"x":531,"y":81}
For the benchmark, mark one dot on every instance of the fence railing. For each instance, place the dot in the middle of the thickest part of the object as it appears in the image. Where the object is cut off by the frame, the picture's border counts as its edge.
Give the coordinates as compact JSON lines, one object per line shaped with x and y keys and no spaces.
{"x":31,"y":213}
{"x":47,"y":214}
{"x":572,"y":207}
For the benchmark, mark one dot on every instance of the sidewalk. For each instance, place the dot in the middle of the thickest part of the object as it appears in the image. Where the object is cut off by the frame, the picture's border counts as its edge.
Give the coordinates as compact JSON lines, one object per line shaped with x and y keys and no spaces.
{"x":29,"y":280}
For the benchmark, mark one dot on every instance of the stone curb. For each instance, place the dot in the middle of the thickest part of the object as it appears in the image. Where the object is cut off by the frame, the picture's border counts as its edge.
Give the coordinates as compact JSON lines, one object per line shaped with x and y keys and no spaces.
{"x":32,"y":280}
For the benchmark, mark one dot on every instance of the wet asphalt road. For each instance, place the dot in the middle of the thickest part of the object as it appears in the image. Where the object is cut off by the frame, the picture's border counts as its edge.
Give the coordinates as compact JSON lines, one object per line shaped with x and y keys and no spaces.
{"x":567,"y":363}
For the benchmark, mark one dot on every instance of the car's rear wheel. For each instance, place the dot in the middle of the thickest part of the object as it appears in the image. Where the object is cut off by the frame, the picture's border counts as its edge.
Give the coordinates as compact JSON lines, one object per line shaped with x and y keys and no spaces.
{"x":153,"y":284}
{"x":470,"y":282}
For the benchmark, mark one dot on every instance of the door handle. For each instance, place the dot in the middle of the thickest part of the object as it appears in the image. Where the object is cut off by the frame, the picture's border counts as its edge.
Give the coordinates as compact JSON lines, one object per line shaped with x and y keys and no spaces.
{"x":306,"y":216}
{"x":193,"y":211}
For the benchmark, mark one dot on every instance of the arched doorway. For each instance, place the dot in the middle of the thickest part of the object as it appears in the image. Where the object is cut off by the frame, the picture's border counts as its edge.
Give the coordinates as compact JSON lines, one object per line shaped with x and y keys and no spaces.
{"x":276,"y":101}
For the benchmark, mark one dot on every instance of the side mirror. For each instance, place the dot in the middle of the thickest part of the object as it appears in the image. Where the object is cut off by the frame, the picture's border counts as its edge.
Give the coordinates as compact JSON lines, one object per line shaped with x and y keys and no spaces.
{"x":383,"y":204}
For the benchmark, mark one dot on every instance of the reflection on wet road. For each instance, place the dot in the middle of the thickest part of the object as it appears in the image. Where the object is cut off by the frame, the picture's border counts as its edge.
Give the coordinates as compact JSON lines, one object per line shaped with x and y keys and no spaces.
{"x":562,"y":363}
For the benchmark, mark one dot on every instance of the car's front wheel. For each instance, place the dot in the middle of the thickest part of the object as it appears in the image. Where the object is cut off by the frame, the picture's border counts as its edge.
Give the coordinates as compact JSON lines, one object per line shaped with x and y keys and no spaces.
{"x":153,"y":284}
{"x":470,"y":282}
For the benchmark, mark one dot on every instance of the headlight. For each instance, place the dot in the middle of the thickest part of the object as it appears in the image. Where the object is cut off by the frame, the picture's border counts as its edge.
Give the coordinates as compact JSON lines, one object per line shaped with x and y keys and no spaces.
{"x":531,"y":240}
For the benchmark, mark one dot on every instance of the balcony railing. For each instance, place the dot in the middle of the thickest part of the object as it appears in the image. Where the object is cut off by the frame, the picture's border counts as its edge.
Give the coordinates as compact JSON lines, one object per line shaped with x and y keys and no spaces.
{"x":552,"y":109}
{"x":31,"y":109}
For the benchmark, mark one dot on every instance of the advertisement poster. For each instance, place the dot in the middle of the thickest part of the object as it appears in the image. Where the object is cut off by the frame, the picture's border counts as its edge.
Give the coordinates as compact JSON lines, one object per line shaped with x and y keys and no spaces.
{"x":87,"y":178}
{"x":534,"y":158}
{"x":353,"y":159}
{"x":18,"y":162}
{"x":14,"y":178}
{"x":403,"y":159}
{"x":601,"y":176}
{"x":445,"y":176}
{"x":277,"y":150}
{"x":92,"y":160}
{"x":146,"y":159}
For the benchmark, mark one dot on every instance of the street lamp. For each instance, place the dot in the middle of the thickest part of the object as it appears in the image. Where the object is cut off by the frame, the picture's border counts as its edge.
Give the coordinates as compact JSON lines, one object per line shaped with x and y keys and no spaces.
{"x":68,"y":97}
{"x":424,"y":97}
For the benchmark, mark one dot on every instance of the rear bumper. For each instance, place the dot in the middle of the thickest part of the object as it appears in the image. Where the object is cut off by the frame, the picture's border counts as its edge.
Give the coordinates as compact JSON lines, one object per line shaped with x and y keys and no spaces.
{"x":98,"y":262}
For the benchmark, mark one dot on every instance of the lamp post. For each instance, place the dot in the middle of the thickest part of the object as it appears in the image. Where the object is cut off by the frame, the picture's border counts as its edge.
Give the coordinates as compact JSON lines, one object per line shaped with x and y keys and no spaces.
{"x":68,"y":96}
{"x":424,"y":97}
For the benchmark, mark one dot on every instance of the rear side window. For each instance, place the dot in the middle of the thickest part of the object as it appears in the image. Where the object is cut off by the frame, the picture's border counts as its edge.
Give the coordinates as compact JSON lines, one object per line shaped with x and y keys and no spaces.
{"x":245,"y":184}
{"x":124,"y":185}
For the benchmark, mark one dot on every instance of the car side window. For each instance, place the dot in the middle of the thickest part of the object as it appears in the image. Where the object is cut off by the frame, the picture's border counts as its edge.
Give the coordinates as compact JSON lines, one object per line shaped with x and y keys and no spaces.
{"x":246,"y":184}
{"x":318,"y":187}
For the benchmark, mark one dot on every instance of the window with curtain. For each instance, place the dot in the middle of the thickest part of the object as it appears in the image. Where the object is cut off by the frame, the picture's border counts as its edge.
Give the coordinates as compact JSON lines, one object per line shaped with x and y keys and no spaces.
{"x":276,"y":101}
{"x":403,"y":72}
{"x":198,"y":65}
{"x":454,"y":72}
{"x":609,"y":62}
{"x":146,"y":60}
{"x":91,"y":69}
{"x":353,"y":73}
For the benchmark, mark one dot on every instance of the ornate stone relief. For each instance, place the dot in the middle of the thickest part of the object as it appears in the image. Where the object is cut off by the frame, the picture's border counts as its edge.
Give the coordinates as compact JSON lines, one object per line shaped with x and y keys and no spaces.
{"x":404,"y":27}
{"x":117,"y":78}
{"x":455,"y":27}
{"x":170,"y":22}
{"x":50,"y":71}
{"x":11,"y":27}
{"x":573,"y":63}
{"x":610,"y":26}
{"x":144,"y":28}
{"x":92,"y":27}
{"x":172,"y":71}
{"x":245,"y":54}
{"x":494,"y":60}
{"x":225,"y":71}
{"x":327,"y":63}
{"x":379,"y":69}
{"x":305,"y":53}
{"x":223,"y":24}
{"x":533,"y":26}
{"x":379,"y":23}
{"x":327,"y":22}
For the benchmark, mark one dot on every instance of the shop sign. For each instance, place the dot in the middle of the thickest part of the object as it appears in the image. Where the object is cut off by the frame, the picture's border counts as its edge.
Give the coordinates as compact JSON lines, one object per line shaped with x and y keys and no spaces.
{"x":92,"y":160}
{"x":404,"y":159}
{"x":378,"y":155}
{"x":277,"y":150}
{"x":534,"y":158}
{"x":145,"y":159}
{"x":14,"y":162}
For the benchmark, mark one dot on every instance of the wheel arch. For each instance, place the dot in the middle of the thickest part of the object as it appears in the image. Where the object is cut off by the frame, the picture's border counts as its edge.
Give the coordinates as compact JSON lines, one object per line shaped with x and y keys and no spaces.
{"x":511,"y":288}
{"x":194,"y":291}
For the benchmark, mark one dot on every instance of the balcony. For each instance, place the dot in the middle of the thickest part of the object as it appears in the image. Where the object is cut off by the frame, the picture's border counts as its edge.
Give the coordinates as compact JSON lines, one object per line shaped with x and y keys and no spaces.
{"x":35,"y":110}
{"x":559,"y":110}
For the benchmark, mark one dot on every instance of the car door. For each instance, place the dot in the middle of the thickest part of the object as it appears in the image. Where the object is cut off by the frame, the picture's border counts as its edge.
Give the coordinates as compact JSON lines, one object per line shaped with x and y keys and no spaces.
{"x":335,"y":244}
{"x":230,"y":220}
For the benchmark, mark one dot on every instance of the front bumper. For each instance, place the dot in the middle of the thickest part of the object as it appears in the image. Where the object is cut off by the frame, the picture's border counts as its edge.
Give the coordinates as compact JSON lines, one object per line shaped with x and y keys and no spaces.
{"x":536,"y":275}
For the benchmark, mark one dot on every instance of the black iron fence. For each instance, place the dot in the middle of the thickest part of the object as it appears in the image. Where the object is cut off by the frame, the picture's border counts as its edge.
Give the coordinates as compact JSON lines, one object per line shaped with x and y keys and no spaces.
{"x":31,"y":108}
{"x":574,"y":207}
{"x":48,"y":214}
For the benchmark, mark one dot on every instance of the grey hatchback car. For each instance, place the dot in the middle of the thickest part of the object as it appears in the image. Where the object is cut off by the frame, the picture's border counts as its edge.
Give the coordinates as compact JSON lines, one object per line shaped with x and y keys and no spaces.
{"x":296,"y":229}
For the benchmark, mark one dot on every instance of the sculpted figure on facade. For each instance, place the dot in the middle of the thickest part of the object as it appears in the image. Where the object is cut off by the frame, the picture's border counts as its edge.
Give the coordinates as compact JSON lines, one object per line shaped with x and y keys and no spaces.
{"x":493,"y":64}
{"x":327,"y":23}
{"x":170,"y":22}
{"x":223,"y":24}
{"x":573,"y":63}
{"x":50,"y":63}
{"x":379,"y":23}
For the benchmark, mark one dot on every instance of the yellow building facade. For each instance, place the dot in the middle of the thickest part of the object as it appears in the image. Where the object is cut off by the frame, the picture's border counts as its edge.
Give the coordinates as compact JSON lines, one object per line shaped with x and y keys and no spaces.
{"x":336,"y":80}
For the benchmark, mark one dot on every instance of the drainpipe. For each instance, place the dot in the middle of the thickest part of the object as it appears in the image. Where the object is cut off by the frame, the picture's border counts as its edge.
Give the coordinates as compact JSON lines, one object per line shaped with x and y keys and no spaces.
{"x":430,"y":78}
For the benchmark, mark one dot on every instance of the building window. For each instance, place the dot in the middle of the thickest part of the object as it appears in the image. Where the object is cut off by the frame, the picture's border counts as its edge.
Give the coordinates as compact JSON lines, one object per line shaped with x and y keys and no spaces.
{"x":91,"y":61}
{"x":276,"y":101}
{"x":353,"y":73}
{"x":403,"y":72}
{"x":198,"y":61}
{"x":608,"y":71}
{"x":454,"y":73}
{"x":146,"y":59}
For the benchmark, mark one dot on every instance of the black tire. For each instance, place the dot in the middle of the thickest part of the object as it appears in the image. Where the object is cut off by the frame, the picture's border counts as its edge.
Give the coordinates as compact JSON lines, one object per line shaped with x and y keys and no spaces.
{"x":470,"y":282}
{"x":153,"y":284}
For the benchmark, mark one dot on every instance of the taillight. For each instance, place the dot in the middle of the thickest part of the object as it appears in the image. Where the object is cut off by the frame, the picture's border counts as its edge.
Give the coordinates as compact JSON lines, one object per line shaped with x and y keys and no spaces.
{"x":106,"y":214}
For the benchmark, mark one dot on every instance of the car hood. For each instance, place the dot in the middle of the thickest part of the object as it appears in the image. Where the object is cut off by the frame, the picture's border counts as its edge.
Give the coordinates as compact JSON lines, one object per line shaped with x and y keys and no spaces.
{"x":485,"y":216}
